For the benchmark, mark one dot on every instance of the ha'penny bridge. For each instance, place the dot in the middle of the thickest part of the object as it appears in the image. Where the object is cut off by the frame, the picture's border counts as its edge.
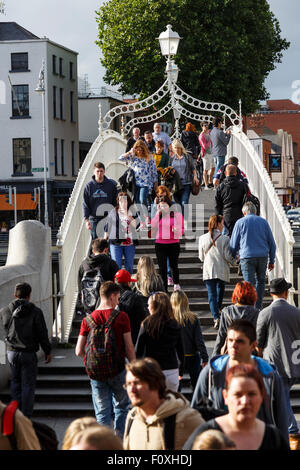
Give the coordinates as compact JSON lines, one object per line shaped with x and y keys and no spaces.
{"x":63,"y":387}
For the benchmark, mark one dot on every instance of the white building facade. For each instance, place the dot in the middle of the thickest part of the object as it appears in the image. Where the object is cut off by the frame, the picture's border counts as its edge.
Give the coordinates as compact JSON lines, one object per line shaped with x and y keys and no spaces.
{"x":21,"y":128}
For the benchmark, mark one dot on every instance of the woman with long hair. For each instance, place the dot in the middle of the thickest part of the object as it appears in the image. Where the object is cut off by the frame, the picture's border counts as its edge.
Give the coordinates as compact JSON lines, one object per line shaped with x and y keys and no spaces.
{"x":206,"y":155}
{"x":214,"y":252}
{"x":189,"y":139}
{"x":184,"y":164}
{"x":119,"y":232}
{"x":143,"y":165}
{"x":169,"y":226}
{"x":194,"y":348}
{"x":243,"y":394}
{"x":160,"y":338}
{"x":147,"y":279}
{"x":244,"y":297}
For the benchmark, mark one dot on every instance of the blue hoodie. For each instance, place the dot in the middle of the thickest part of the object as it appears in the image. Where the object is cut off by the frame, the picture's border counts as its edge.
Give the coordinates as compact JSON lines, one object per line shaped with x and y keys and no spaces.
{"x":96,"y":194}
{"x":273,"y":409}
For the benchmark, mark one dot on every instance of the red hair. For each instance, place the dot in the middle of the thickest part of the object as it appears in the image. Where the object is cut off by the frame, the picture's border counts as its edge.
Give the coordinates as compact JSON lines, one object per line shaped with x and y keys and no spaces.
{"x":190,"y":127}
{"x":247,"y":371}
{"x":244,"y":293}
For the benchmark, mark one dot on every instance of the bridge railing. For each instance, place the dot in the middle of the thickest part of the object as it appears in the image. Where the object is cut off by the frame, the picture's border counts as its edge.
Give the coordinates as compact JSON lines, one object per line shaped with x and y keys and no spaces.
{"x":73,"y":239}
{"x":271,"y":207}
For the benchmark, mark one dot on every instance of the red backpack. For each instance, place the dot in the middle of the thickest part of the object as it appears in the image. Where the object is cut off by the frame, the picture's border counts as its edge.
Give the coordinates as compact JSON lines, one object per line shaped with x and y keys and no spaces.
{"x":102,"y":359}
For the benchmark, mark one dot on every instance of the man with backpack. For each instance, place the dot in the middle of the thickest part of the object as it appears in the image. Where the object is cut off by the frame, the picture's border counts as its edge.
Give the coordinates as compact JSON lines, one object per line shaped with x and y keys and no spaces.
{"x":221,"y":173}
{"x":104,"y":341}
{"x":160,"y":419}
{"x":241,"y":343}
{"x":26,"y":331}
{"x":130,"y":302}
{"x":95,"y":269}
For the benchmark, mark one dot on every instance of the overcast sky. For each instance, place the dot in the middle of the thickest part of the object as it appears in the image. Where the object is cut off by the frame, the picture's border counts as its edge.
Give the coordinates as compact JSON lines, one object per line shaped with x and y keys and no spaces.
{"x":72,"y":24}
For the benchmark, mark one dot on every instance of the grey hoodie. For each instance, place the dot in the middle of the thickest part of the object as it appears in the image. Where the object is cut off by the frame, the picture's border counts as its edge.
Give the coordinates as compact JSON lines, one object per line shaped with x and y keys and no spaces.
{"x":273,"y":409}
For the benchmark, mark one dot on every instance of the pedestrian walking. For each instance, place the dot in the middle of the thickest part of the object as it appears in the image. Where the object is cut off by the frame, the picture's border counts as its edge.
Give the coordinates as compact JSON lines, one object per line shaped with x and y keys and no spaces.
{"x":169,"y":226}
{"x":253,"y":241}
{"x":100,"y":191}
{"x":104,"y":357}
{"x":190,"y":141}
{"x":120,"y":232}
{"x":278,"y":333}
{"x":206,"y":155}
{"x":160,"y":338}
{"x":220,"y":140}
{"x":244,"y":393}
{"x":26,"y":331}
{"x":147,"y":279}
{"x":195,"y":353}
{"x":214,"y":252}
{"x":243,"y":300}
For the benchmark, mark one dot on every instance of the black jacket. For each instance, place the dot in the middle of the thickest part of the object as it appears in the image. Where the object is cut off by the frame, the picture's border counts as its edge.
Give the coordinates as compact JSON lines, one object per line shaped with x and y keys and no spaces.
{"x":190,"y":141}
{"x":28,"y":330}
{"x":108,"y":267}
{"x":192,"y":339}
{"x":165,"y":349}
{"x":127,"y":181}
{"x":229,"y":200}
{"x":132,"y":303}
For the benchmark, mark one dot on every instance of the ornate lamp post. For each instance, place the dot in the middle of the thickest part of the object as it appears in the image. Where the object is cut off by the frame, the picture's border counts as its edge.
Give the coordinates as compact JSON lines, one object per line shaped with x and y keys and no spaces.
{"x":40,"y":89}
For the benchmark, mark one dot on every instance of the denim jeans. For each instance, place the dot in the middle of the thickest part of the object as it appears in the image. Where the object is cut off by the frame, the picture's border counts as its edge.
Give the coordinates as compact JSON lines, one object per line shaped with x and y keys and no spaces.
{"x":23,"y":379}
{"x":255,"y":268}
{"x":219,"y":161}
{"x":118,"y":251}
{"x":183,"y":199}
{"x":293,"y":426}
{"x":94,"y":221}
{"x":215,"y":290}
{"x":142,"y":197}
{"x":111,"y":402}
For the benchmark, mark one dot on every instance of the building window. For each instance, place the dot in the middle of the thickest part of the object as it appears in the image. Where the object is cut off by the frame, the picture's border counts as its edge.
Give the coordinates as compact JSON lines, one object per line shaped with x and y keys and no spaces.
{"x":54,"y":64}
{"x":61,"y":67}
{"x":61,"y":103}
{"x":71,"y":71}
{"x":54,"y":103}
{"x":73,"y":158}
{"x":19,"y":62}
{"x":62,"y":143}
{"x":22,"y":156}
{"x":72,"y":105}
{"x":20,"y":100}
{"x":56,"y":157}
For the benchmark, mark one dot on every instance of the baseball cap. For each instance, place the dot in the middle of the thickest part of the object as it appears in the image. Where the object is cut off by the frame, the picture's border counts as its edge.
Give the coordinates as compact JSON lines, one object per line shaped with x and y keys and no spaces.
{"x":123,"y":276}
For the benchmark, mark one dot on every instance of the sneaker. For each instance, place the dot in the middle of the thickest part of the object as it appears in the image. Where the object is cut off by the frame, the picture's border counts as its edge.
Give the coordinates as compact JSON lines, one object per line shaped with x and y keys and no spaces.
{"x":206,"y":188}
{"x":216,"y":324}
{"x":177,"y":287}
{"x":170,"y":281}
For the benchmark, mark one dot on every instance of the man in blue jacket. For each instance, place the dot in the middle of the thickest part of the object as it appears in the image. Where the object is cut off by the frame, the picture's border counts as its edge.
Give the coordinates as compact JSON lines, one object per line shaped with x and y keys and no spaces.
{"x":253,"y":240}
{"x":99,"y":191}
{"x":241,"y":342}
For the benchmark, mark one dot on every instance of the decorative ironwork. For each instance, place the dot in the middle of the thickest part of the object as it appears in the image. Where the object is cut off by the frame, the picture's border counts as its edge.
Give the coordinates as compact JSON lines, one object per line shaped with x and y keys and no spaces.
{"x":149,"y":118}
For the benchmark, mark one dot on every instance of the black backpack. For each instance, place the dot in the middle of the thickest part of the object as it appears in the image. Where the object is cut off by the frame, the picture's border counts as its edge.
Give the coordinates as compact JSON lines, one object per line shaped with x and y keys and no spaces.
{"x":90,"y":285}
{"x":12,"y":336}
{"x":45,"y":434}
{"x":127,"y":300}
{"x":251,"y":198}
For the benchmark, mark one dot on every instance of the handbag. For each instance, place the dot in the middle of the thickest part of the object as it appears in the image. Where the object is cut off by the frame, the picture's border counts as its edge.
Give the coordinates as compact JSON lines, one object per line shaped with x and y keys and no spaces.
{"x":195,"y":188}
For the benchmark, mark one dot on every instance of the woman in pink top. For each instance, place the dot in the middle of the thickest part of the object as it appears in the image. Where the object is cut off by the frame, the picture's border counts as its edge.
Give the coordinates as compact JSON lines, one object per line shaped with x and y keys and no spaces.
{"x":169,"y":227}
{"x":206,"y":154}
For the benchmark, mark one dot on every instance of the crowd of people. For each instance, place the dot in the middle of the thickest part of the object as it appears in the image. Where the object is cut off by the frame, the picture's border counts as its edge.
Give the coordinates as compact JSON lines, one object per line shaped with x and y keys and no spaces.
{"x":137,"y":338}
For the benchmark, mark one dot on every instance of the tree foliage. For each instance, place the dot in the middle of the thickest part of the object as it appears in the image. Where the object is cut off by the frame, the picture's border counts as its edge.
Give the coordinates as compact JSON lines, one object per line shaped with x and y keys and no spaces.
{"x":227,"y":50}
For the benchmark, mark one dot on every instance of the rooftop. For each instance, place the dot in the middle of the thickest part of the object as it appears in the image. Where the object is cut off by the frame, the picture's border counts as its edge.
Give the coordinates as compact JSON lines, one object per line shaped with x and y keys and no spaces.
{"x":11,"y":31}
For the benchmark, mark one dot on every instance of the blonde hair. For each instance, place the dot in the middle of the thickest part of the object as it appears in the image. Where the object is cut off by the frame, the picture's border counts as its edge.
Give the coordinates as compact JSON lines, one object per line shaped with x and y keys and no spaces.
{"x":213,"y":439}
{"x":98,"y":438}
{"x":178,"y":143}
{"x":141,"y":144}
{"x":146,"y":275}
{"x":181,"y":308}
{"x":77,"y":426}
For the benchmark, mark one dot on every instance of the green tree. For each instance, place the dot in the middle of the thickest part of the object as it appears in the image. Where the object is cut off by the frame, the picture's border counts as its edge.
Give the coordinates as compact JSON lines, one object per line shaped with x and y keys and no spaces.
{"x":228,"y":48}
